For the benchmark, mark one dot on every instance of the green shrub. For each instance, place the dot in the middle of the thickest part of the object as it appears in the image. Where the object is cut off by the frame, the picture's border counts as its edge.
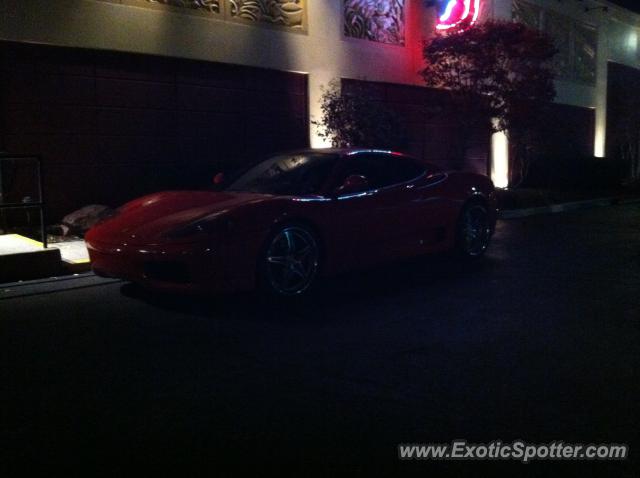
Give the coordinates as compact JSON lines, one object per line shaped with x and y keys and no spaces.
{"x":354,"y":119}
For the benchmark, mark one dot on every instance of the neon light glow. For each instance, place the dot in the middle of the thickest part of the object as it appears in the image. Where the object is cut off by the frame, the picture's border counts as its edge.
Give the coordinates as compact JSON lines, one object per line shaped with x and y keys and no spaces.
{"x":447,"y":12}
{"x":459,"y":14}
{"x":467,"y":9}
{"x":476,"y":12}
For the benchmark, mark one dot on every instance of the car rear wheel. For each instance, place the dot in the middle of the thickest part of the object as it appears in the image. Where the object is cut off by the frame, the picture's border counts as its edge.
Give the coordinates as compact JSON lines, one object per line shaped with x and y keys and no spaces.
{"x":474,"y":231}
{"x":290,"y":261}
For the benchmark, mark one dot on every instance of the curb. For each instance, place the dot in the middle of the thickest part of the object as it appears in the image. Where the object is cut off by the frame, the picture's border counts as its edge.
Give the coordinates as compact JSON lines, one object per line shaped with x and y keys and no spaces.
{"x":565,"y":207}
{"x":52,"y":285}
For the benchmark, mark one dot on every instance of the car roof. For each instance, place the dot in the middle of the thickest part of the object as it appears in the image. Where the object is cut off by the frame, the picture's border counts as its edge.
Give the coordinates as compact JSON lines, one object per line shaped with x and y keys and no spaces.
{"x":345,"y":151}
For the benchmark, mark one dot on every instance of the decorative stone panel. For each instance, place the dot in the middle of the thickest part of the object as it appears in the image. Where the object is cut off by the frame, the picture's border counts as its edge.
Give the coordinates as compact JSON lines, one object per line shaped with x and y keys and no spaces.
{"x":376,"y":20}
{"x":577,"y":42}
{"x":288,"y":15}
{"x":209,"y":8}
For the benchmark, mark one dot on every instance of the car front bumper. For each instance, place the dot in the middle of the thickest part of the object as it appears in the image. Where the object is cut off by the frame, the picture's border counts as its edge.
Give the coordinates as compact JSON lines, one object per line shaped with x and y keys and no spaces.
{"x":187,"y":268}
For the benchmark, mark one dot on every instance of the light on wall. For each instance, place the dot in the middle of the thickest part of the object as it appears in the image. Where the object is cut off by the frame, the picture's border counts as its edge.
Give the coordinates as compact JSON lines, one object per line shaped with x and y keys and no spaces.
{"x":632,"y":42}
{"x":500,"y":159}
{"x":318,"y":142}
{"x":318,"y":81}
{"x":600,"y":140}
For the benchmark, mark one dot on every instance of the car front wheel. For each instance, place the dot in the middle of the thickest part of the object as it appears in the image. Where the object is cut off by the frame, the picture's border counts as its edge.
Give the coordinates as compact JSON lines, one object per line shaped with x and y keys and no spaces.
{"x":290,"y":261}
{"x":474,"y":231}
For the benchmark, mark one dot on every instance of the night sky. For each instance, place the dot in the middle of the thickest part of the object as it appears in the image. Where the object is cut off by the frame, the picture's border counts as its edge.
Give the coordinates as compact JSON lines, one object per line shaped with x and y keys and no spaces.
{"x":630,"y":4}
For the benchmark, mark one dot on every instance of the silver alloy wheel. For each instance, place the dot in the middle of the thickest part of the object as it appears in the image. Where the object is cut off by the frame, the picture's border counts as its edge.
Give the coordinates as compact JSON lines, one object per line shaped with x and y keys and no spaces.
{"x":291,"y":261}
{"x":475,"y":231}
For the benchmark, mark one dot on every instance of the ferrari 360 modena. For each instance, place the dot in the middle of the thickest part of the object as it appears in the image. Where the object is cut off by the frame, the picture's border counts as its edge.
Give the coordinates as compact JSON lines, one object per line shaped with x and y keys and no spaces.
{"x":292,"y":219}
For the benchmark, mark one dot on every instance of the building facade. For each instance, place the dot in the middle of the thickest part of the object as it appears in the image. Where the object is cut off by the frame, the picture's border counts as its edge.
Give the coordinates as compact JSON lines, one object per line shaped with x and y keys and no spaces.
{"x":124,"y":95}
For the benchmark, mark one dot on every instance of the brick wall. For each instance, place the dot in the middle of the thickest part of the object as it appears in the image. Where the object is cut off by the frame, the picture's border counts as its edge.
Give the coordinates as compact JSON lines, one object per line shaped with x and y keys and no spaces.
{"x":112,"y":126}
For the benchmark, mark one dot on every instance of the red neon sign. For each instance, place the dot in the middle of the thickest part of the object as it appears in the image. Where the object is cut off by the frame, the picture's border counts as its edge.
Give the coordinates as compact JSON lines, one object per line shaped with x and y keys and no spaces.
{"x":459,"y":15}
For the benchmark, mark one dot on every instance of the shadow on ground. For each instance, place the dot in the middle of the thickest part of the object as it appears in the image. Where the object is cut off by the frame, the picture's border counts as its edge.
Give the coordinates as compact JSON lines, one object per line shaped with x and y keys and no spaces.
{"x":344,"y":290}
{"x":539,"y":341}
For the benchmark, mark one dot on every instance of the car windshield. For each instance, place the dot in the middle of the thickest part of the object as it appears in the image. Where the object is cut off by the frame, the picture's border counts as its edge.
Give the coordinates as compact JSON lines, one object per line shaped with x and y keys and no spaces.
{"x":289,"y":175}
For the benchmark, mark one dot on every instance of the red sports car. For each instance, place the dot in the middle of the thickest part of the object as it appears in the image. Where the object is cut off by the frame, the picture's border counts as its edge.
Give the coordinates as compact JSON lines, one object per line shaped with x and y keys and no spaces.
{"x":293,"y":218}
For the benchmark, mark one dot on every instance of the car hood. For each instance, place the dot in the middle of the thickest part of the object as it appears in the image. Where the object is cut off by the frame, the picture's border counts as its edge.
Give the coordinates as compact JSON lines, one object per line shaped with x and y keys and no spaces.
{"x":149,"y":218}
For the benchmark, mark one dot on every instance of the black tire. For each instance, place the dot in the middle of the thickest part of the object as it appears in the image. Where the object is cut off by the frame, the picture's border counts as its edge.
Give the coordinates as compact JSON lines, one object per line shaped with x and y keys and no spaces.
{"x":473,"y":231}
{"x":290,"y":262}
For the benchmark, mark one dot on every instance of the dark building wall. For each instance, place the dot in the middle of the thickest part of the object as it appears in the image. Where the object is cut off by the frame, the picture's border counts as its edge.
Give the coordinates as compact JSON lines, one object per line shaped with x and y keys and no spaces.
{"x":569,"y":131}
{"x":562,"y":155}
{"x":112,"y":126}
{"x":433,"y":133}
{"x":623,"y":107}
{"x":565,"y":139}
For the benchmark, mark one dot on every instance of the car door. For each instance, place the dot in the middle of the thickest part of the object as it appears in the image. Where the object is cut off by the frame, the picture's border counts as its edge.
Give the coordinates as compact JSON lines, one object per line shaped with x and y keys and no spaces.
{"x":376,"y":224}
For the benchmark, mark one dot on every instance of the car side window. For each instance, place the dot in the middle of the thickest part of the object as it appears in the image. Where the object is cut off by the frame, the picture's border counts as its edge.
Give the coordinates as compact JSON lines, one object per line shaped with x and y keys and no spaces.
{"x":363,"y":165}
{"x":381,"y":170}
{"x":311,"y":179}
{"x":407,"y":169}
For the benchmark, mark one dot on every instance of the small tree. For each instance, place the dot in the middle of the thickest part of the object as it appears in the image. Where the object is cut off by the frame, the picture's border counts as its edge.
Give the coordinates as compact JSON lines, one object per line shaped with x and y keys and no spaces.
{"x":494,"y":70}
{"x":353,"y":119}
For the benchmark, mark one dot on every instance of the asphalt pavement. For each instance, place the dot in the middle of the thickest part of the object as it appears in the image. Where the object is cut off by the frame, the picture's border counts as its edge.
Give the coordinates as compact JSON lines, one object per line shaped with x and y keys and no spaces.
{"x":539,"y":341}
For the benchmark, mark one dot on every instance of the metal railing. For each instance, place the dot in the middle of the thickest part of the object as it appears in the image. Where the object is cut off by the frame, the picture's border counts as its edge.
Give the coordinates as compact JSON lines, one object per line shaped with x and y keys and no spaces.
{"x":27,"y":202}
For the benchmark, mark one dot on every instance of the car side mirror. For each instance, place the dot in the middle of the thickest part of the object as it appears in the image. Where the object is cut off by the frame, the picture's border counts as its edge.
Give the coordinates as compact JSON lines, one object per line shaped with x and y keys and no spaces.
{"x":218,"y":179}
{"x":356,"y":183}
